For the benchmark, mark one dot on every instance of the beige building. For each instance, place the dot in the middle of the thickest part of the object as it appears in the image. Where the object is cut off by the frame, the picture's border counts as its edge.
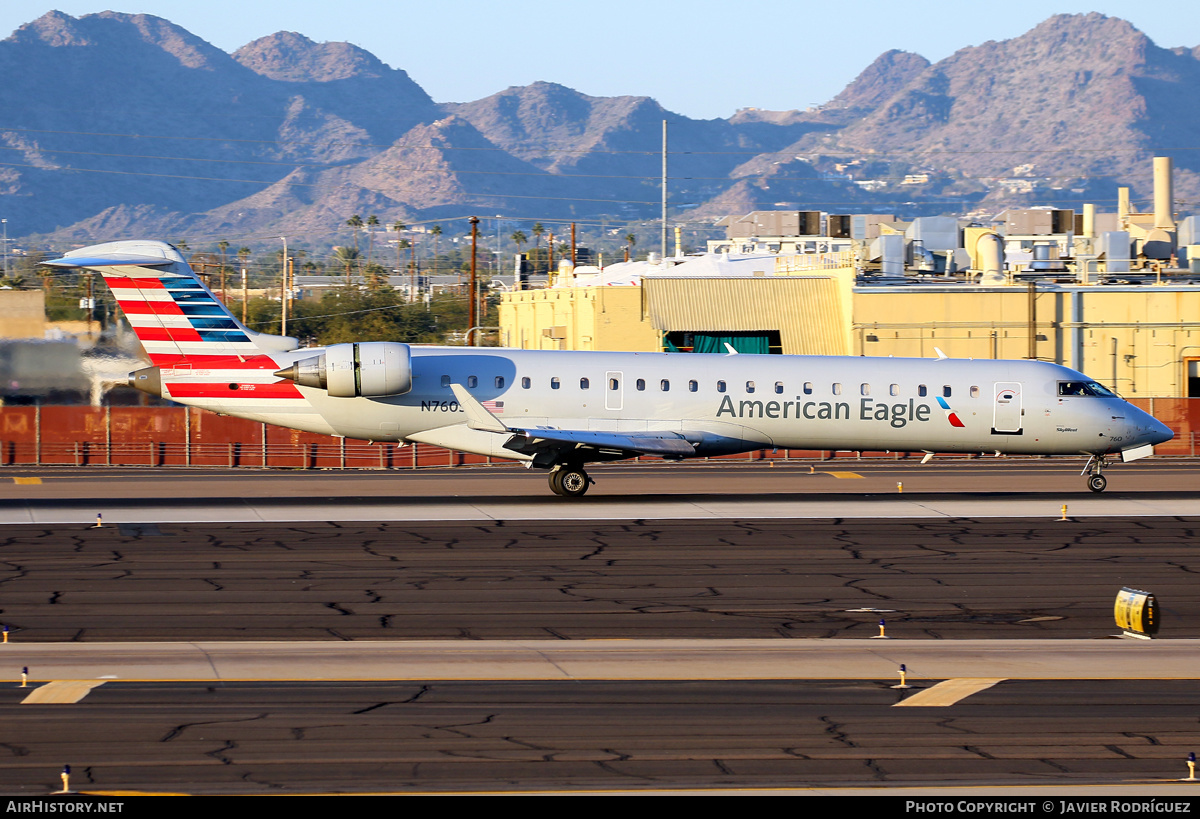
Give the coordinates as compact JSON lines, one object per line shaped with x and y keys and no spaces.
{"x":577,"y":318}
{"x":1142,"y":340}
{"x":22,"y":314}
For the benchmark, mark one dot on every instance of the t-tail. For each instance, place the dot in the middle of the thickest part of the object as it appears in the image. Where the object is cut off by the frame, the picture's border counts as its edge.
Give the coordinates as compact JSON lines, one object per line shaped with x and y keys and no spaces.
{"x":180,"y":323}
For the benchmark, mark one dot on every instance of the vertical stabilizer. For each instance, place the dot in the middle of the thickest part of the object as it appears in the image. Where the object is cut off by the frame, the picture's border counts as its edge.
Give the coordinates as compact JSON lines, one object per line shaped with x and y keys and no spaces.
{"x":175,"y":316}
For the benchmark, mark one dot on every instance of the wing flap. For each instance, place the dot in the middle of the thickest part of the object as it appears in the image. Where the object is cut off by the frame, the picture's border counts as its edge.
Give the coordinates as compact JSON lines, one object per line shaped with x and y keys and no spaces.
{"x":665,"y":444}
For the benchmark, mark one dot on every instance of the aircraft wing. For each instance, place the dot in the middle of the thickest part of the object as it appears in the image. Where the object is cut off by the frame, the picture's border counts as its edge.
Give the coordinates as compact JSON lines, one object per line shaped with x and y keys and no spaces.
{"x":663,"y":444}
{"x":550,"y":441}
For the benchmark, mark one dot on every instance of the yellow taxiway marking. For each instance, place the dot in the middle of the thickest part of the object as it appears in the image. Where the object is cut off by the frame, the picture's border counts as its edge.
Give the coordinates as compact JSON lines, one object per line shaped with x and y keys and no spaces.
{"x":949,"y":692}
{"x":27,"y":481}
{"x":61,"y":691}
{"x":844,"y":474}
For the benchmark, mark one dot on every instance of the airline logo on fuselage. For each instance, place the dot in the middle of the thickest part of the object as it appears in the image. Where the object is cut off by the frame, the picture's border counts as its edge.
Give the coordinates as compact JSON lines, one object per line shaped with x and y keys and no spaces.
{"x":951,"y":415}
{"x":896,"y":415}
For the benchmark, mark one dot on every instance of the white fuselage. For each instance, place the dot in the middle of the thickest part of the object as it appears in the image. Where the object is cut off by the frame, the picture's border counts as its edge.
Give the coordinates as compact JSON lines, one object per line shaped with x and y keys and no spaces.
{"x":725,"y":403}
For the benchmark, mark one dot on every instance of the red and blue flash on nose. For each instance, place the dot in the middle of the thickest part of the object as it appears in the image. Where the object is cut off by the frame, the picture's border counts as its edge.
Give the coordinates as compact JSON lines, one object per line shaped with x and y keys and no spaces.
{"x":954,"y":420}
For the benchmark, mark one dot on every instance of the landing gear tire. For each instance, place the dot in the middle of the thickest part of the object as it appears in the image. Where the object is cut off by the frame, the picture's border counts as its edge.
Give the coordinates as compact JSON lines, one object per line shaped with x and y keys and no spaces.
{"x":569,"y":482}
{"x":1097,"y":483}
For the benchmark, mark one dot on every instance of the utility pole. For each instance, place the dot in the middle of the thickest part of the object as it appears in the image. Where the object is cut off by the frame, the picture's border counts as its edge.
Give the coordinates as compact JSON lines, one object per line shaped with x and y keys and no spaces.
{"x":283,"y":294}
{"x":663,"y":254}
{"x":572,"y":245}
{"x":471,"y":314}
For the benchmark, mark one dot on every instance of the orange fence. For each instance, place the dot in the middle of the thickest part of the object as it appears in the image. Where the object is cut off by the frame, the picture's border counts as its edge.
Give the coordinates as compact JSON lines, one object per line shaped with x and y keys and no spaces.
{"x":181,"y":436}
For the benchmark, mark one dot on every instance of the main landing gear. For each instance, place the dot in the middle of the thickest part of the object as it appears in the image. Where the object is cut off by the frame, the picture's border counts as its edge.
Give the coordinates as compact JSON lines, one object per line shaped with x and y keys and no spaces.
{"x":569,"y":481}
{"x":1094,"y":470}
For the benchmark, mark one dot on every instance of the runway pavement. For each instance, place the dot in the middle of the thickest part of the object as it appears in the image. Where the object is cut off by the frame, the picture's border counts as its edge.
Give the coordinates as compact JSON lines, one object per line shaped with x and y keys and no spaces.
{"x":714,"y":490}
{"x":559,"y":660}
{"x":798,"y":737}
{"x":462,"y":630}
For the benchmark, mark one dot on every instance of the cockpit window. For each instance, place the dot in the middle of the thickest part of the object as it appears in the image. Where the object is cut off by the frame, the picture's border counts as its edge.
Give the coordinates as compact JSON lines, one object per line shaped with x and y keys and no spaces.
{"x":1066,"y":388}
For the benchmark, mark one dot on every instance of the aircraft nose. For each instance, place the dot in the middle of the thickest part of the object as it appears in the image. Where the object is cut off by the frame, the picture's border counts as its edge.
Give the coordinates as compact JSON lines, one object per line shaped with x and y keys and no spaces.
{"x":1159,"y":432}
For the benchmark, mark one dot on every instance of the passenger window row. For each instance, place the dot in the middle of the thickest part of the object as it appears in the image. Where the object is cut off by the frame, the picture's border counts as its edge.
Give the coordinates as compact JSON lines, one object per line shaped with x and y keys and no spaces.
{"x":664,"y":385}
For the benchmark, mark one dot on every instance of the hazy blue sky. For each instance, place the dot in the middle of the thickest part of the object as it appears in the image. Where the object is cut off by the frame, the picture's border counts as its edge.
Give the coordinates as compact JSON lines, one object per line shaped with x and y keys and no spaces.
{"x":700,"y":58}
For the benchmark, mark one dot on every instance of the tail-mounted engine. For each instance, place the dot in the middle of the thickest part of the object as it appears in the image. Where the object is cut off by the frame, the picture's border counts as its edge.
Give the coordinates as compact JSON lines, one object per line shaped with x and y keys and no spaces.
{"x":371,"y":368}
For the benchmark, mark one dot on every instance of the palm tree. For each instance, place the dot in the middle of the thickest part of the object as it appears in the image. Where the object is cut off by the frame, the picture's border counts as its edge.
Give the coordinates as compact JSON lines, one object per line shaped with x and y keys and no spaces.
{"x":537,"y":230}
{"x":346,"y":256}
{"x":519,"y":238}
{"x":372,"y":223}
{"x":355,"y":222}
{"x":630,"y":241}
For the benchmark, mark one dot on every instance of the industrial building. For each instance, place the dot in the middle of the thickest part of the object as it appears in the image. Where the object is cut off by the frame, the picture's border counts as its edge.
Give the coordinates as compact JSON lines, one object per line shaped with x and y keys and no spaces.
{"x":1116,"y":295}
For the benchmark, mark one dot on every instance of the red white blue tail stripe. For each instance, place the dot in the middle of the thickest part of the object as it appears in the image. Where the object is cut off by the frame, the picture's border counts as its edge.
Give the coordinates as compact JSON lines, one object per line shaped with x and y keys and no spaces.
{"x":206,"y":356}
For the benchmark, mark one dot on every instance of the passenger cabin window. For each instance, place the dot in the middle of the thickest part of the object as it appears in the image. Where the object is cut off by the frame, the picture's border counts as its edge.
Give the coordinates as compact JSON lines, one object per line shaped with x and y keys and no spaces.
{"x":779,"y":388}
{"x":445,"y":381}
{"x":922,"y":390}
{"x":526,"y":383}
{"x":641,"y":384}
{"x":614,"y":384}
{"x":749,"y":386}
{"x":472,"y":382}
{"x":720,"y":386}
{"x":693,"y":386}
{"x":664,"y":385}
{"x":499,"y":382}
{"x":808,"y":388}
{"x":894,"y":389}
{"x":974,"y":392}
{"x":837,"y":389}
{"x":554,"y":383}
{"x":584,"y":384}
{"x":865,"y":389}
{"x":946,"y":391}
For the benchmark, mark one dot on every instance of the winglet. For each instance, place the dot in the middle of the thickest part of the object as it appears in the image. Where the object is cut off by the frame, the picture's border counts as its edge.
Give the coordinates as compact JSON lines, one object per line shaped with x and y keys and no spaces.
{"x":941,"y":355}
{"x":478,"y":416}
{"x":729,"y":348}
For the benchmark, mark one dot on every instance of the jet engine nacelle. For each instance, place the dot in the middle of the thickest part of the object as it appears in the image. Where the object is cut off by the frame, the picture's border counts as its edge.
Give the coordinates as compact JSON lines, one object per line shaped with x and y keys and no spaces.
{"x":371,"y":368}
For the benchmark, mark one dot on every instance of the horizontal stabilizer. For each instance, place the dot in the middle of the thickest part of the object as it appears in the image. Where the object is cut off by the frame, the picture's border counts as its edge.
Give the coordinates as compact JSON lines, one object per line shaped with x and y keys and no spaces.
{"x":109,"y":261}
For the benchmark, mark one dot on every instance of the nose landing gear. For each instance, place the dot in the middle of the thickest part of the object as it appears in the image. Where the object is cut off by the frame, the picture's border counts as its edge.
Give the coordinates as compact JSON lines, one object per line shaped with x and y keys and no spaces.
{"x":1094,"y":470}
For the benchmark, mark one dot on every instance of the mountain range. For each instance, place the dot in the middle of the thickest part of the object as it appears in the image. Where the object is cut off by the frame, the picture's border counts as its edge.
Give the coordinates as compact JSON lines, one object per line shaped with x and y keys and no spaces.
{"x":114,"y":125}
